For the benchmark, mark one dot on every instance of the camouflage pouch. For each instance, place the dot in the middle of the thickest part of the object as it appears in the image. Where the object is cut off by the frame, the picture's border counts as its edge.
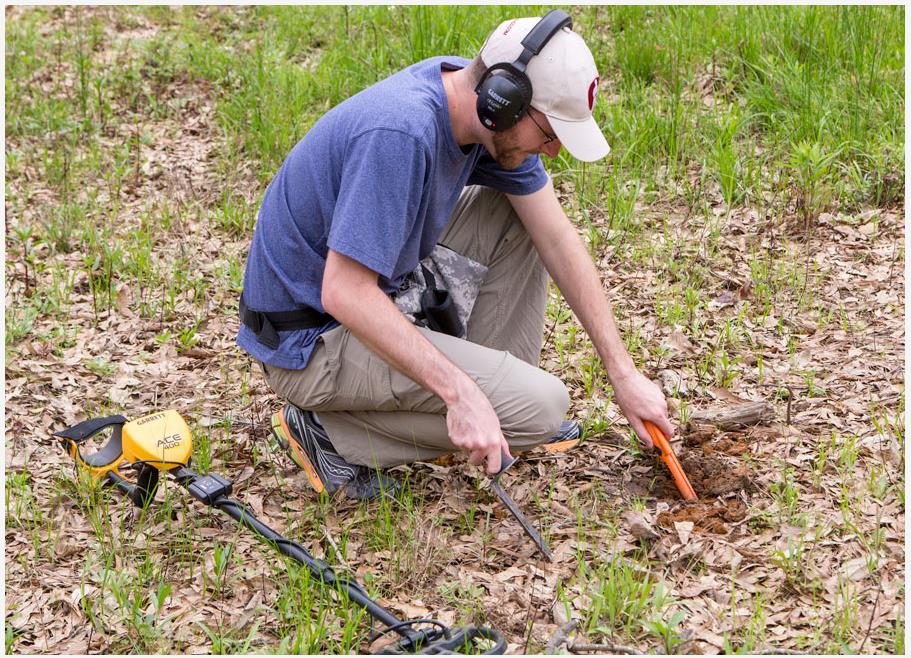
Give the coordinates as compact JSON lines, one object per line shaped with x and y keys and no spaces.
{"x":450,"y":272}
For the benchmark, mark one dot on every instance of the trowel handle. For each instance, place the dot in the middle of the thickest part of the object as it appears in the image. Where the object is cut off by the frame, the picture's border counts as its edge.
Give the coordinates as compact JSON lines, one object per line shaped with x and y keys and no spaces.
{"x":670,"y":460}
{"x":506,"y":462}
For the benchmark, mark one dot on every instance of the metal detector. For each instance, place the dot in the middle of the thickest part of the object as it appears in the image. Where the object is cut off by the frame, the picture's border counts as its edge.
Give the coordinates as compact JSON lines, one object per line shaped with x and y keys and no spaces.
{"x":161,"y":443}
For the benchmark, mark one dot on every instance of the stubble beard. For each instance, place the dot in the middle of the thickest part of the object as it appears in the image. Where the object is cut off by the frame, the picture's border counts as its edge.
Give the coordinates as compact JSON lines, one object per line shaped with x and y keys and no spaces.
{"x":506,"y":153}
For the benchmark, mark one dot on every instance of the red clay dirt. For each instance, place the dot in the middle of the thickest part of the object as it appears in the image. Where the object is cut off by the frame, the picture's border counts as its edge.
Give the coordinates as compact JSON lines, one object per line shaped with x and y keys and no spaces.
{"x":711,"y":474}
{"x":712,"y":462}
{"x":707,"y":517}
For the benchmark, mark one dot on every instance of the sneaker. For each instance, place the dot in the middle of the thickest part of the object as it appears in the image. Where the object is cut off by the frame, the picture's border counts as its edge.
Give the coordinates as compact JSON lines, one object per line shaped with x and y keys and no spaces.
{"x":369,"y":483}
{"x":566,"y":438}
{"x":301,"y":435}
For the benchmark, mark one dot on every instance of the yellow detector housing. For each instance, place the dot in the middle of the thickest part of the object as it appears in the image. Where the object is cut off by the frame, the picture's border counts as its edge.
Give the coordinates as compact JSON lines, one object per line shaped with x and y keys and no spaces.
{"x":162,"y":440}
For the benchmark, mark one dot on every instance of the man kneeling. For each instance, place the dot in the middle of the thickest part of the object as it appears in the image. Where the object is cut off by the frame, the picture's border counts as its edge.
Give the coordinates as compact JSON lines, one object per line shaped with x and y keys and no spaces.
{"x":396,"y":284}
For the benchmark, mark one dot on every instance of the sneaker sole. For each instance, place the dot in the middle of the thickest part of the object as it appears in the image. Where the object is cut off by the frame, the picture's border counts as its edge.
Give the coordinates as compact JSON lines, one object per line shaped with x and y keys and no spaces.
{"x":295,"y":451}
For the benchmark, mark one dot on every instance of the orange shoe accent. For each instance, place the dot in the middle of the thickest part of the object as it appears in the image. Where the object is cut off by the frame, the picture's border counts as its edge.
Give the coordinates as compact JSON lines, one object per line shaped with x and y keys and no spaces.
{"x":560,"y":446}
{"x":302,"y":459}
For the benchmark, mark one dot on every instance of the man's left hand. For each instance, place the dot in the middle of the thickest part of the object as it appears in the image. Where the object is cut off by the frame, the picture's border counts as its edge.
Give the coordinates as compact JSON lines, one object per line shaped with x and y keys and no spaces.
{"x":640,"y":399}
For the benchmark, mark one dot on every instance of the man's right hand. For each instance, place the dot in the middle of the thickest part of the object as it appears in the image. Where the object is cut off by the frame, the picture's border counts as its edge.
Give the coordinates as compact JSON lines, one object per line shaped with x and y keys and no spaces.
{"x":474,"y":427}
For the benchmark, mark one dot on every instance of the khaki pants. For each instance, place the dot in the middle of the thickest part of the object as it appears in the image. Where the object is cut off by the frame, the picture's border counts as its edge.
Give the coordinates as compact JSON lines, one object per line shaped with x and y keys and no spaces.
{"x":376,"y":416}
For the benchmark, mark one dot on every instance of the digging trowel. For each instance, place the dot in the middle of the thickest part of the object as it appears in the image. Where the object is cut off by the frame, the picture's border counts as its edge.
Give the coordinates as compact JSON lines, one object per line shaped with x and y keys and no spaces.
{"x":505,"y":498}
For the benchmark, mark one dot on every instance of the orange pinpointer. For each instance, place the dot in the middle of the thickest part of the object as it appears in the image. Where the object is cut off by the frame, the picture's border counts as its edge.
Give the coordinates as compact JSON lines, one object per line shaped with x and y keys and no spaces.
{"x":670,"y":460}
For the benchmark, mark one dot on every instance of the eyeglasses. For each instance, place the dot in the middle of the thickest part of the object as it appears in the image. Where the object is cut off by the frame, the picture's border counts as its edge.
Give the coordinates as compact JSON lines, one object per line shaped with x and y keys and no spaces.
{"x":548,"y":138}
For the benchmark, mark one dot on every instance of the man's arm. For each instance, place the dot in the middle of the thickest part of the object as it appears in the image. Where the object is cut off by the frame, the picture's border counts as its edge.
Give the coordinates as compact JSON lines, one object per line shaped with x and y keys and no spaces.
{"x":351,"y":295}
{"x":569,"y":264}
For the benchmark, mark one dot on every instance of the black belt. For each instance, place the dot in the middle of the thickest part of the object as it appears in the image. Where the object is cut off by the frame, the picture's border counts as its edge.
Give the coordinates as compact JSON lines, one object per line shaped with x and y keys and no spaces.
{"x":267,"y":325}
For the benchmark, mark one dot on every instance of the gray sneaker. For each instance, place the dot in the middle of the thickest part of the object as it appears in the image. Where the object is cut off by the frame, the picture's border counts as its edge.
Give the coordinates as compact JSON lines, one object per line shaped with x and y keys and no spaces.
{"x":306,"y":442}
{"x":370,"y":483}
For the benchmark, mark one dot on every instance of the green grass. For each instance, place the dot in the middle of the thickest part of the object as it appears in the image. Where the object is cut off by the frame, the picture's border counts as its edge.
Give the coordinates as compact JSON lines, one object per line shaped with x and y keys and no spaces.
{"x":793,"y":90}
{"x":626,"y":601}
{"x":130,"y":584}
{"x":274,"y":70}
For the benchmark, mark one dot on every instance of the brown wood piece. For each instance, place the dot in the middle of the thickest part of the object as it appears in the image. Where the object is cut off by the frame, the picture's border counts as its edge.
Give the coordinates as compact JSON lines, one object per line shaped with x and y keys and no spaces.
{"x":731,"y":417}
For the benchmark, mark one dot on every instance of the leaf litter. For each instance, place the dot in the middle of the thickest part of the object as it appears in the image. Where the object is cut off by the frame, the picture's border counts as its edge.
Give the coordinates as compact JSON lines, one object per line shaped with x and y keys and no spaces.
{"x":737,"y":542}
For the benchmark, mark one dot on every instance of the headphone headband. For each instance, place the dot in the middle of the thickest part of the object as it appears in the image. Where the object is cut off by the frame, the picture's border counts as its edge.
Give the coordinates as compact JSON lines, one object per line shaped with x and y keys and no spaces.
{"x":554,"y":21}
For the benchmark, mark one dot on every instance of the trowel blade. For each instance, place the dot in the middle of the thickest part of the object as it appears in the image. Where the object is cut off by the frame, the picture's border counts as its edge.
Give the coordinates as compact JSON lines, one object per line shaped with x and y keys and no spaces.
{"x":529,"y":529}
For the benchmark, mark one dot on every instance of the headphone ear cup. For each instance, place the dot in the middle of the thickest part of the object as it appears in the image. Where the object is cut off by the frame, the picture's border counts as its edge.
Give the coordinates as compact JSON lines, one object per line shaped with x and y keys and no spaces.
{"x":504,"y":95}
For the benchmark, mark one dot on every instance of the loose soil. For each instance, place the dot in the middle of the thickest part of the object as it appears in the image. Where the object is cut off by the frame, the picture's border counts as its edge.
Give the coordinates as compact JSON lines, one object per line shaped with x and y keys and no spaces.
{"x":713,"y":463}
{"x":706,"y":517}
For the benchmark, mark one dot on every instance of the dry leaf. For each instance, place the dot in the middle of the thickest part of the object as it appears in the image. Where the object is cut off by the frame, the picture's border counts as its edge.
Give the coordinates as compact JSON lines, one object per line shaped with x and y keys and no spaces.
{"x":124,"y":299}
{"x":639,"y":526}
{"x":684,"y":530}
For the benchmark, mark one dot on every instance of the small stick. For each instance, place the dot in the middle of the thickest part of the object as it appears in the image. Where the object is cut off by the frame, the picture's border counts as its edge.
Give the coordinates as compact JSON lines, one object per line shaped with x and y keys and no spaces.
{"x":92,"y":286}
{"x":603,"y":648}
{"x":338,"y":553}
{"x":553,"y":325}
{"x":528,"y":615}
{"x":770,"y":651}
{"x":110,"y":288}
{"x":872,"y":617}
{"x":561,"y":636}
{"x":28,"y":287}
{"x":790,"y":397}
{"x":892,"y":264}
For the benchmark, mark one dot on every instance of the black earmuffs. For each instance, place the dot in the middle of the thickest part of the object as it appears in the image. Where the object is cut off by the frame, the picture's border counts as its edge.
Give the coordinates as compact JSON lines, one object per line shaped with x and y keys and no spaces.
{"x":504,"y":91}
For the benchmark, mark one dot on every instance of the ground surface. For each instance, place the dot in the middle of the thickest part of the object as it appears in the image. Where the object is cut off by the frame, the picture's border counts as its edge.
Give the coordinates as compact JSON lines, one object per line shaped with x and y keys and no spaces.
{"x":796,"y":541}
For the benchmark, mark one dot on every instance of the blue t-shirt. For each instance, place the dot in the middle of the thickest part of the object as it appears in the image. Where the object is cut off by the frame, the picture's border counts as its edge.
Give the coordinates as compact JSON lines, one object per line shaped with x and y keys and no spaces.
{"x":375,"y":179}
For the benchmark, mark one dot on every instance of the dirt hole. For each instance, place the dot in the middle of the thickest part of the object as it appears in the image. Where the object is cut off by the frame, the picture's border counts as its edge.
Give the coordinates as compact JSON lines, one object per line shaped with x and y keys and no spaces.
{"x":715,"y":464}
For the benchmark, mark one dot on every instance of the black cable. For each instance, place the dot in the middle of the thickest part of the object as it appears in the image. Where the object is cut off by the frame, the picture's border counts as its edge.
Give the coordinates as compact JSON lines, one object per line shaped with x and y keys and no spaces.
{"x":420,"y":635}
{"x":326,"y":572}
{"x":295,"y":551}
{"x":322,"y":570}
{"x":444,"y":629}
{"x":154,"y":463}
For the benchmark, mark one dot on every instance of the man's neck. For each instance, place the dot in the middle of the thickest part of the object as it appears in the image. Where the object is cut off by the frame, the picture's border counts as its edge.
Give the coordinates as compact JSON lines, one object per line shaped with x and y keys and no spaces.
{"x":460,"y":97}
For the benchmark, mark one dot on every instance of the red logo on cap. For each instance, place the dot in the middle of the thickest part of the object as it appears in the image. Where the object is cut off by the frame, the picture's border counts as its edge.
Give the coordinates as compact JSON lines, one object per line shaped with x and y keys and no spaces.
{"x":592,"y":90}
{"x":509,"y":27}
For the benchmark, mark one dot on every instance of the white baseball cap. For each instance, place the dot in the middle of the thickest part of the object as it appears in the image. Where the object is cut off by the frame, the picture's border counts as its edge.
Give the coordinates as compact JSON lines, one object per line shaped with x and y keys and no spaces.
{"x":564,"y":83}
